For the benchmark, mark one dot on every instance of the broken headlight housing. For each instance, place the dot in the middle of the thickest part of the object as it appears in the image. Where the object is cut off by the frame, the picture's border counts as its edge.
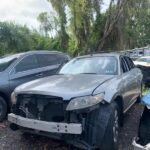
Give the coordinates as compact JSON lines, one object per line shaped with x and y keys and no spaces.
{"x":84,"y":102}
{"x":13,"y":98}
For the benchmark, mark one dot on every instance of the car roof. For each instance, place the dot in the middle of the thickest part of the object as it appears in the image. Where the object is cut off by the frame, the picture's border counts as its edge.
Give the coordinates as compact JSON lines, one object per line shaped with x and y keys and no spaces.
{"x":12,"y":56}
{"x":101,"y":54}
{"x":43,"y":51}
{"x":32,"y":52}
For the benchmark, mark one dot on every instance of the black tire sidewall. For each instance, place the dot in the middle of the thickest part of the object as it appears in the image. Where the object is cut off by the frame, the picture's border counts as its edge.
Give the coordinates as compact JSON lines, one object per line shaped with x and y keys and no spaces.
{"x":108,"y":140}
{"x":4,"y":109}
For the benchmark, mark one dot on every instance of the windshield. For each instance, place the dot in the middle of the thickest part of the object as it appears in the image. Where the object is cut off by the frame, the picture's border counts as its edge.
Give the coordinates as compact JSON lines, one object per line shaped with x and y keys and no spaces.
{"x":143,"y":60}
{"x":91,"y":65}
{"x":6,"y":61}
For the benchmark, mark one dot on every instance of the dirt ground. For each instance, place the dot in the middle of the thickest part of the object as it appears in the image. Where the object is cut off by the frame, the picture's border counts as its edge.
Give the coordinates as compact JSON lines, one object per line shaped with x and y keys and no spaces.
{"x":10,"y":140}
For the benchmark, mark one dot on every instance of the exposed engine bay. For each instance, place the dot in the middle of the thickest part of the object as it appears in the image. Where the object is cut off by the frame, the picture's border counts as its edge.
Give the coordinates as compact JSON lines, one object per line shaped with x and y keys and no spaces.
{"x":40,"y":109}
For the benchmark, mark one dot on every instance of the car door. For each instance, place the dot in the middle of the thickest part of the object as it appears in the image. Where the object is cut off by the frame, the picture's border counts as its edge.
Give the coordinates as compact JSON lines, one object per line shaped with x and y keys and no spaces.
{"x":49,"y":63}
{"x":25,"y":70}
{"x":129,"y":80}
{"x":136,"y":77}
{"x":125,"y":77}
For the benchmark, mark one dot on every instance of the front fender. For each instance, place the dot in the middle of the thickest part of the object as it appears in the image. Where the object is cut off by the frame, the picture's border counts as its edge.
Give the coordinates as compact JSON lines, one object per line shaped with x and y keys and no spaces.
{"x":112,"y":89}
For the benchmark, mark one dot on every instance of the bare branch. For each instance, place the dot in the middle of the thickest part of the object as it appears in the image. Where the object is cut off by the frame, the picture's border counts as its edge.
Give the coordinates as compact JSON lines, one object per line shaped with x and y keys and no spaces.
{"x":111,"y":21}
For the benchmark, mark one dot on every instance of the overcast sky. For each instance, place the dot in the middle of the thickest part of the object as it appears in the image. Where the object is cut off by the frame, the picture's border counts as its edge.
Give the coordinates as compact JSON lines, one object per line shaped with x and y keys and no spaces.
{"x":25,"y":11}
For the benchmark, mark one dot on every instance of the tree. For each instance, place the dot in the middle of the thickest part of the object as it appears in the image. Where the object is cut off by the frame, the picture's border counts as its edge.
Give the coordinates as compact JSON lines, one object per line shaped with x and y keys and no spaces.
{"x":137,"y":28}
{"x":81,"y":22}
{"x":13,"y":37}
{"x":82,"y":26}
{"x":59,"y":7}
{"x":16,"y":38}
{"x":114,"y":14}
{"x":48,"y":23}
{"x":90,"y":29}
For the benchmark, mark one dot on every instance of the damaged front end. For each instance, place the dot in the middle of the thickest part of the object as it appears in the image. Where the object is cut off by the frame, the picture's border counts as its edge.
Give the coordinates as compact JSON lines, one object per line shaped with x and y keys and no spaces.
{"x":47,"y":115}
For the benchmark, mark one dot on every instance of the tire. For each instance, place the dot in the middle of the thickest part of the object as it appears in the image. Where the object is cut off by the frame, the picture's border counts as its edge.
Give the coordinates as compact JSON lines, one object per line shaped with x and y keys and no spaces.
{"x":111,"y":136}
{"x":3,"y":109}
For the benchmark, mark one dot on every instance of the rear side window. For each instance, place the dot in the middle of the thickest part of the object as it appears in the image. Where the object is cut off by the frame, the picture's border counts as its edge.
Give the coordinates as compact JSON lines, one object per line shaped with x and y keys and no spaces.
{"x":123,"y":65}
{"x":129,"y":63}
{"x":63,"y":58}
{"x":48,"y":59}
{"x":28,"y":63}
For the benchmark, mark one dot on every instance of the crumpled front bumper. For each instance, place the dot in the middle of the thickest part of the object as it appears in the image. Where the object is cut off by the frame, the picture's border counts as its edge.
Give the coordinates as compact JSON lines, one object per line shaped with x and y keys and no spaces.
{"x":83,"y":129}
{"x":53,"y":127}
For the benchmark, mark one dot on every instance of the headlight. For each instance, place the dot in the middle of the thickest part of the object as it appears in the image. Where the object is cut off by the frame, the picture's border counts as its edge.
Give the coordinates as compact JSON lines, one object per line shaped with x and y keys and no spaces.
{"x":13,"y":98}
{"x":84,"y":102}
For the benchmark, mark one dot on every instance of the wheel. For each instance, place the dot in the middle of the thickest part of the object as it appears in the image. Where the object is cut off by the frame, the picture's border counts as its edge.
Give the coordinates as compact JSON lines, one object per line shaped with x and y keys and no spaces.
{"x":111,"y":136}
{"x":3,"y":109}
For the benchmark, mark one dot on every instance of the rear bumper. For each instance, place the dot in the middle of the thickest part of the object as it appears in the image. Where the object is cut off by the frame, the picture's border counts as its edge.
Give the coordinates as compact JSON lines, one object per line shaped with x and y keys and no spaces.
{"x":52,"y":127}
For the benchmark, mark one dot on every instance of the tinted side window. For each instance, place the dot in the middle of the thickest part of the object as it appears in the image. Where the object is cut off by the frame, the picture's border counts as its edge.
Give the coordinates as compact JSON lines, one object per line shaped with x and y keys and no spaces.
{"x":123,"y":65}
{"x":28,"y":63}
{"x":47,"y":59}
{"x":129,"y":62}
{"x":126,"y":63}
{"x":62,"y":58}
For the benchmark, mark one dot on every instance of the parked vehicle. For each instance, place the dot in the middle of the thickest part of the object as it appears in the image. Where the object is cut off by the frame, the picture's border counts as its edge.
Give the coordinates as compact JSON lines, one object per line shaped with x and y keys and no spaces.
{"x":143,"y":61}
{"x":142,"y":142}
{"x":144,"y":64}
{"x":20,"y":68}
{"x":83,"y":104}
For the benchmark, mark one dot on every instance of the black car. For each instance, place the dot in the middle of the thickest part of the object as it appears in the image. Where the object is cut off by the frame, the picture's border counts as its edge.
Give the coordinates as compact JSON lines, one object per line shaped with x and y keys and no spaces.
{"x":19,"y":68}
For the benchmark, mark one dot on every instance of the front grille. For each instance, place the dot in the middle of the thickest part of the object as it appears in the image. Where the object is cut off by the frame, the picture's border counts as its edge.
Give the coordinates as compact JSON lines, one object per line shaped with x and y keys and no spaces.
{"x":41,"y":107}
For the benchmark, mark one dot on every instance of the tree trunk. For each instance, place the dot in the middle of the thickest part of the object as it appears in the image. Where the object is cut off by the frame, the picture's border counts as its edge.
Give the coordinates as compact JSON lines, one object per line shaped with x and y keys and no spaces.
{"x":111,"y":21}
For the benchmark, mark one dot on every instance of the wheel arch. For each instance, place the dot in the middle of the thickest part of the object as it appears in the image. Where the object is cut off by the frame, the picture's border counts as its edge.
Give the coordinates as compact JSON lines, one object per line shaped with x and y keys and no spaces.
{"x":119,"y":100}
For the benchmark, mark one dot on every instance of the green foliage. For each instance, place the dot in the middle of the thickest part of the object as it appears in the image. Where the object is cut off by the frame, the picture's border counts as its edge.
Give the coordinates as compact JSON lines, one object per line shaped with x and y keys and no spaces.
{"x":80,"y":27}
{"x":138,"y":26}
{"x":16,"y":38}
{"x":13,"y":38}
{"x":59,"y":7}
